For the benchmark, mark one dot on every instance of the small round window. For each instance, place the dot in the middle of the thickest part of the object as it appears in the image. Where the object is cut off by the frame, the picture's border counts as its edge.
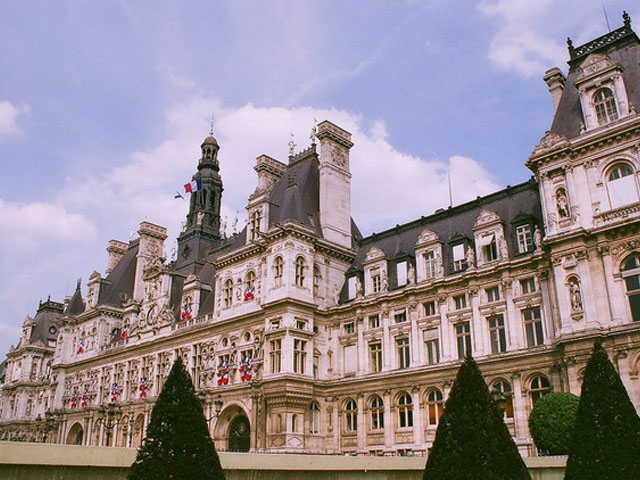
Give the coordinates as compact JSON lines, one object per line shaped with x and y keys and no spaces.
{"x":52,"y":330}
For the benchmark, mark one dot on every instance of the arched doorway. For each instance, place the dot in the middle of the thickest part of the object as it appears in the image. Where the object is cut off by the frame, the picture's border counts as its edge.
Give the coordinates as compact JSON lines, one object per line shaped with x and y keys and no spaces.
{"x":75,"y":435}
{"x":239,"y":434}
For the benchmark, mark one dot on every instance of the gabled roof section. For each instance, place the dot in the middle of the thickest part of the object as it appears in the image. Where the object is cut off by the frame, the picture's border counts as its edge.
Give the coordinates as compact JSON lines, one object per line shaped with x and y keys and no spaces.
{"x":118,"y":286}
{"x":48,"y":315}
{"x":622,"y":46}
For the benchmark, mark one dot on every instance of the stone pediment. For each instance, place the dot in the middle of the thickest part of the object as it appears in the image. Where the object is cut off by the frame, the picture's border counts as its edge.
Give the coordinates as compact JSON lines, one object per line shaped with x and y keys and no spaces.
{"x":426,"y":236}
{"x":374,"y":253}
{"x":486,"y":217}
{"x":595,"y":63}
{"x":549,"y":141}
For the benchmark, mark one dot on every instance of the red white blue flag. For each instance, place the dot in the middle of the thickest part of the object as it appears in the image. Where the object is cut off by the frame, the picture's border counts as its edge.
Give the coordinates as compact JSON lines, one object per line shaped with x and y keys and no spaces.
{"x":193,"y":186}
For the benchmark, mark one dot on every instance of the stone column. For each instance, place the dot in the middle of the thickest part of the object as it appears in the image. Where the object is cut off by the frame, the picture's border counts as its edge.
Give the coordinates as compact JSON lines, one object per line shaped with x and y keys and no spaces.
{"x":418,"y":429}
{"x":362,"y":426}
{"x":387,"y":347}
{"x":388,"y":426}
{"x":362,"y":347}
{"x":416,"y":351}
{"x":520,"y":410}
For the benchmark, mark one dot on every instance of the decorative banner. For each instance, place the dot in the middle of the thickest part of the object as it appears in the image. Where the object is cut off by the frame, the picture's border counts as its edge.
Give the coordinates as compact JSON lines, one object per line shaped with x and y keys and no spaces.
{"x":85,"y":398}
{"x":223,"y":373}
{"x":124,"y":332}
{"x":246,"y":368}
{"x":186,"y":313}
{"x":80,"y":348}
{"x":248,"y":294}
{"x":74,"y":398}
{"x":115,"y":392}
{"x":143,"y":387}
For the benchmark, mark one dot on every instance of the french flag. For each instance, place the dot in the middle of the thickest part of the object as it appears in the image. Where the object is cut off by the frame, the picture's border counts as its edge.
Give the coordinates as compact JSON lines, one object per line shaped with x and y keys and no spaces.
{"x":193,"y":186}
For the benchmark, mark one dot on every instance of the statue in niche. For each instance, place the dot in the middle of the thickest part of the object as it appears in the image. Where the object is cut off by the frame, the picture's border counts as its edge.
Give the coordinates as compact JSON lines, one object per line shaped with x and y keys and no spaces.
{"x":562,"y":203}
{"x":411,"y":274}
{"x":575,"y":295}
{"x":384,"y":281}
{"x":199,"y":218}
{"x":537,"y":238}
{"x":470,"y":257}
{"x":359,"y":290}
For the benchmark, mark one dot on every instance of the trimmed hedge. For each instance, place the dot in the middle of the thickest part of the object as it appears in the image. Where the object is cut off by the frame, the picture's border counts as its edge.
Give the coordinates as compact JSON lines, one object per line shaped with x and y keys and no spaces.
{"x":551,"y":422}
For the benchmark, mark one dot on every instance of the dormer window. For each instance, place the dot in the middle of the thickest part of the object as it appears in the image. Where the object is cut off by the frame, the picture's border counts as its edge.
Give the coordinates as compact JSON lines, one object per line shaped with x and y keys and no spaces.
{"x":489,"y":248}
{"x":430,"y":266}
{"x":401,"y":272}
{"x":605,"y":105}
{"x":458,"y":257}
{"x":524,"y":237}
{"x":375,"y":280}
{"x":351,"y":288}
{"x":621,"y":184}
{"x":256,"y":218}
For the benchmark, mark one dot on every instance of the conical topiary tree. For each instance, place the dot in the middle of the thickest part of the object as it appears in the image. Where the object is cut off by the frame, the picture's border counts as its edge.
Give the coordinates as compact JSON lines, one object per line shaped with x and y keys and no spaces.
{"x":178,"y":445}
{"x":472,"y":442}
{"x":606,"y":439}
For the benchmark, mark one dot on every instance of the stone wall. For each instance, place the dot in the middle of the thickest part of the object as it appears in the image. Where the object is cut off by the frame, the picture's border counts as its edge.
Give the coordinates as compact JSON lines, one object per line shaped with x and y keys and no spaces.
{"x":31,"y":461}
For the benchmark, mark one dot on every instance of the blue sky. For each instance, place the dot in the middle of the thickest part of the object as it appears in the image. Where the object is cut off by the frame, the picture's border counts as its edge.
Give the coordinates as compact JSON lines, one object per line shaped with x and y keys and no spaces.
{"x":103,"y":106}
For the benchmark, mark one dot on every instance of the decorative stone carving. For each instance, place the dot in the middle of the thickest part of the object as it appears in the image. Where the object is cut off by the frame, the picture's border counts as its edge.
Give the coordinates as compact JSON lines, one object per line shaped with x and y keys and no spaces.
{"x":470,"y":257}
{"x":374,"y":253}
{"x":575,"y":296}
{"x":548,"y":141}
{"x":486,"y":217}
{"x":562,"y":203}
{"x":537,"y":239}
{"x":411,"y":274}
{"x":426,"y":236}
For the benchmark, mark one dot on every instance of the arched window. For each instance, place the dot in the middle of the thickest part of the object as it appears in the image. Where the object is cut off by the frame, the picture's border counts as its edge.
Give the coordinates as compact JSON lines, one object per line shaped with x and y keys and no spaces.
{"x":314,"y":418}
{"x":540,"y":386}
{"x":228,"y":293}
{"x":377,"y":413}
{"x":278,"y":268}
{"x":277,"y":423}
{"x":301,"y":266}
{"x":504,"y":388}
{"x":294,"y":423}
{"x":405,"y":411}
{"x":631,"y":274}
{"x":317,"y":277}
{"x":256,"y":217}
{"x":605,"y":105}
{"x":435,"y":406}
{"x":621,"y":185}
{"x":350,"y":416}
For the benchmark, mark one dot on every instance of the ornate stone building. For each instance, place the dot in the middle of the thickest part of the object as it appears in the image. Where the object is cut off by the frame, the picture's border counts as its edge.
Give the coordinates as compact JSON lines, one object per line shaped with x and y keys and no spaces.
{"x":304,"y":336}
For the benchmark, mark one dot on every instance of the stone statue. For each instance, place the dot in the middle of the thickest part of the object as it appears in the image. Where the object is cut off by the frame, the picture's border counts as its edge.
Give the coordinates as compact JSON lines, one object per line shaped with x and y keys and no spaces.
{"x":537,"y":238}
{"x":359,"y":290}
{"x":199,"y":218}
{"x":575,"y":295}
{"x":470,"y":257}
{"x":385,"y":281}
{"x":411,"y":274}
{"x":562,"y":203}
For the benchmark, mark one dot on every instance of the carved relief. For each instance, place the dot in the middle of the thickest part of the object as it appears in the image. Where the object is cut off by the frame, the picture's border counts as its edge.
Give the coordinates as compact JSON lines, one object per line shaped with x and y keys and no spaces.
{"x":562,"y":203}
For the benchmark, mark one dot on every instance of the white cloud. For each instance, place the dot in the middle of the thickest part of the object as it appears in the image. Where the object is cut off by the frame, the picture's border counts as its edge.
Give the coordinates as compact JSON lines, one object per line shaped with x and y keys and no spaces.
{"x":29,"y":225}
{"x":9,"y":114}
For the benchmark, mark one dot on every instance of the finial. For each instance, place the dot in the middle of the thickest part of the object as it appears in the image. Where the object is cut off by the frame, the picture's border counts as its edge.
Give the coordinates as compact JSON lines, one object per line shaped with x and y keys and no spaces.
{"x":78,"y":283}
{"x":292,"y":145}
{"x":570,"y":46}
{"x":314,"y":130}
{"x":211,"y":129}
{"x":626,"y":18}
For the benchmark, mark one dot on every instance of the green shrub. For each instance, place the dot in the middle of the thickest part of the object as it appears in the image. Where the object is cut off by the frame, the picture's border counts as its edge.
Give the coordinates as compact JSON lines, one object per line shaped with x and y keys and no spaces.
{"x":178,"y":445}
{"x":472,"y":442}
{"x":606,"y":438}
{"x":551,"y":422}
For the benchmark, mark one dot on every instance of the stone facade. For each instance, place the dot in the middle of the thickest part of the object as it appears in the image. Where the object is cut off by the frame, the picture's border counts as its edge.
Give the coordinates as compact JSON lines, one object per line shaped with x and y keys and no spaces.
{"x":303,"y":336}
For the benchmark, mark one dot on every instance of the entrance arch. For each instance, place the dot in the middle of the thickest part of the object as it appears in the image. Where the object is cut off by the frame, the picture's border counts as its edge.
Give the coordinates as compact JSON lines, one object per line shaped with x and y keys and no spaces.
{"x":239,"y":435}
{"x":75,"y":435}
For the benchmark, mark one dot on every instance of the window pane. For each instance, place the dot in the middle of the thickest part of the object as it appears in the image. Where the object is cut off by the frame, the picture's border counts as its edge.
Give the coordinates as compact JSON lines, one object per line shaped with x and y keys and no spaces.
{"x":634,"y":303}
{"x":401,"y":271}
{"x":623,"y":191}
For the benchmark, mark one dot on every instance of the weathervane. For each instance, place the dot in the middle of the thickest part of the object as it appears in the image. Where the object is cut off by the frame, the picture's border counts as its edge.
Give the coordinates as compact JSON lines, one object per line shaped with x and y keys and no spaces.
{"x":314,"y":130}
{"x":292,"y":145}
{"x":211,"y":130}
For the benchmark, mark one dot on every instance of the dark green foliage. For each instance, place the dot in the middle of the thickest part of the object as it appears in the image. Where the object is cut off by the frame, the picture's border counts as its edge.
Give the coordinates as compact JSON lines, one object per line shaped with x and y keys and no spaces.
{"x":177,"y":445}
{"x":606,"y":440}
{"x":472,"y":441}
{"x":551,"y":422}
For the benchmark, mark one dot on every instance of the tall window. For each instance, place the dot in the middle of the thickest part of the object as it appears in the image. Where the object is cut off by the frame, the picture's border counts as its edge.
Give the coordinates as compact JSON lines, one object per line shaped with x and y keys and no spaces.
{"x":493,"y":294}
{"x":463,"y":338}
{"x":431,"y":346}
{"x":621,"y":184}
{"x":255,"y":224}
{"x":429,"y":308}
{"x":540,"y":386}
{"x":605,"y":105}
{"x":349,"y":328}
{"x":405,"y":411}
{"x":490,"y":249}
{"x":533,"y":326}
{"x":351,"y":287}
{"x":435,"y":406}
{"x":317,"y":277}
{"x":497,"y":334}
{"x":301,"y":266}
{"x":278,"y":269}
{"x":401,"y":273}
{"x":402,"y":345}
{"x":400,"y":317}
{"x":460,"y":301}
{"x":250,"y":283}
{"x":377,"y":413}
{"x":228,"y":293}
{"x":375,"y":280}
{"x":430,"y":266}
{"x":528,"y":285}
{"x":375,"y":357}
{"x":631,"y":274}
{"x":299,"y":355}
{"x":275,"y":355}
{"x":505,"y":389}
{"x":314,"y":418}
{"x":525,"y":240}
{"x":374,"y":321}
{"x":458,"y":257}
{"x":350,"y":416}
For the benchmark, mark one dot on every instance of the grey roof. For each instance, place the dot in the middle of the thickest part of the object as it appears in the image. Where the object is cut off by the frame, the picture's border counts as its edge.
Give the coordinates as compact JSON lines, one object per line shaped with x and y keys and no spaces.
{"x":623,"y":49}
{"x":76,"y":304}
{"x":514,"y":205}
{"x":118,"y":286}
{"x":49,"y":313}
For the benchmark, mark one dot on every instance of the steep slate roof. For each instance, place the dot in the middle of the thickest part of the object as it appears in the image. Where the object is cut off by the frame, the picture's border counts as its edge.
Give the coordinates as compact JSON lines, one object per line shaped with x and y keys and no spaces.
{"x":121,"y":279}
{"x":48,"y":314}
{"x":621,"y":46}
{"x":76,"y":304}
{"x":514,"y":205}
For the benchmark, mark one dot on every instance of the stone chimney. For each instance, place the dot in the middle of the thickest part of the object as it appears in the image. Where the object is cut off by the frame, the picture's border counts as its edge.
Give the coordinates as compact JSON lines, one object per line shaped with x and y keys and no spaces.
{"x":269,"y":170}
{"x":116,"y":251}
{"x":151,"y":245}
{"x":335,"y":183}
{"x":555,"y":80}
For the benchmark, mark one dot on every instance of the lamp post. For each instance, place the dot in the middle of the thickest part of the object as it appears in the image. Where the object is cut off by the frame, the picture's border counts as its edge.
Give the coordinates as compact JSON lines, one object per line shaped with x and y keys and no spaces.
{"x":217,"y":405}
{"x":109,"y":417}
{"x":499,"y":401}
{"x":47,"y":424}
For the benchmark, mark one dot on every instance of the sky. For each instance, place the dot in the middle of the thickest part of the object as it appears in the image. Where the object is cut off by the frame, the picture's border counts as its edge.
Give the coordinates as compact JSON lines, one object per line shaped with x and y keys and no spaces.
{"x":103,"y":106}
